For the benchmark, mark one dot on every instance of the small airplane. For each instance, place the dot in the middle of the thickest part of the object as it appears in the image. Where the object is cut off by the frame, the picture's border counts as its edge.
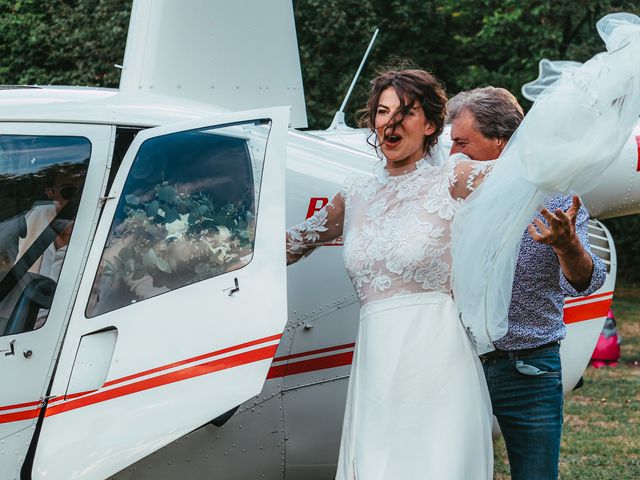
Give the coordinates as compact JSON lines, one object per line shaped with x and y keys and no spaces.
{"x":149,"y":328}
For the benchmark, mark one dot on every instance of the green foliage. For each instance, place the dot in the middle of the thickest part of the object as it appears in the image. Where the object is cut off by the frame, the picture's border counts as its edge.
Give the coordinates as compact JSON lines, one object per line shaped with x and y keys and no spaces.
{"x":333,"y":36}
{"x":626,"y":232}
{"x":62,"y":41}
{"x":501,"y":42}
{"x":467,"y":43}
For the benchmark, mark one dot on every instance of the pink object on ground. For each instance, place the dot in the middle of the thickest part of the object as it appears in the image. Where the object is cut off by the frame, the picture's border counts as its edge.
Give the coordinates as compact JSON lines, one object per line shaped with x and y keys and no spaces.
{"x":607,"y":351}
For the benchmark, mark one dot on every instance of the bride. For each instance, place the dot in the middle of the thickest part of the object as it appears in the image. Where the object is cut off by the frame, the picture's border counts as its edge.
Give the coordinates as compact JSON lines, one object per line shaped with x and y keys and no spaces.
{"x":417,"y":405}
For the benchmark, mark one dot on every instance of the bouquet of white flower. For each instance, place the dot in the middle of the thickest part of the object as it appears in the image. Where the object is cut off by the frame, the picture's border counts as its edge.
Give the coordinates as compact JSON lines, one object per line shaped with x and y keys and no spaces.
{"x":178,"y":238}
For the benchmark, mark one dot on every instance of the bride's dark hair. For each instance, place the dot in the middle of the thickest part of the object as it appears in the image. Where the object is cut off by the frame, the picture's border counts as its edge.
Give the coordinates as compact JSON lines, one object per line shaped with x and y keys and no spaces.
{"x":411,"y":85}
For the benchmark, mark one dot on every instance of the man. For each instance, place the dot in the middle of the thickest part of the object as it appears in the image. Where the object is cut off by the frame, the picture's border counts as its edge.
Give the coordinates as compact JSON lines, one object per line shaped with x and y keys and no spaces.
{"x":524,"y":372}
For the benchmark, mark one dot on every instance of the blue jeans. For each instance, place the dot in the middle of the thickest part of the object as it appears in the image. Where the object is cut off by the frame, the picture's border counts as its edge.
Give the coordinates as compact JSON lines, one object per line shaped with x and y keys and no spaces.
{"x":526,"y":396}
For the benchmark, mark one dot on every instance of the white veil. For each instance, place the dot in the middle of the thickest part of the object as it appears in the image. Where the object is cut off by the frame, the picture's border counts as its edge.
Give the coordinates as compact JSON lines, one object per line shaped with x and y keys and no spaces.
{"x":574,"y":130}
{"x":548,"y":72}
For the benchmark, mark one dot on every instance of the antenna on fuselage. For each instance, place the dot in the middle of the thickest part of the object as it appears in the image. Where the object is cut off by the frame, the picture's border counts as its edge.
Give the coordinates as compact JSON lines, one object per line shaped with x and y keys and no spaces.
{"x":338,"y":118}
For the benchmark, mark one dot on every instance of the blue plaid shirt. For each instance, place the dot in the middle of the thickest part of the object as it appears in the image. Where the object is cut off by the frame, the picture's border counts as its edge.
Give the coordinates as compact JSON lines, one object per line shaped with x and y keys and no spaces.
{"x":539,"y":288}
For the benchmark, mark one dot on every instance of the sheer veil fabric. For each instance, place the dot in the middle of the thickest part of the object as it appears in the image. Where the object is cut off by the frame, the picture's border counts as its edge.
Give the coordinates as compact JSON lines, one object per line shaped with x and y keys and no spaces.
{"x":575,"y":129}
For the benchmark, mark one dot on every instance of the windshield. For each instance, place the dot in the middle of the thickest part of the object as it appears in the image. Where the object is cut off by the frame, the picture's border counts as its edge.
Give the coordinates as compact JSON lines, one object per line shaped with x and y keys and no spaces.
{"x":41,"y":181}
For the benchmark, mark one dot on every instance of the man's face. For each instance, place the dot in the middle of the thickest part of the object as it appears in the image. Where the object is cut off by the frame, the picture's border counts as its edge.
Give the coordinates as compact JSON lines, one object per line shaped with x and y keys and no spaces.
{"x":467,"y":139}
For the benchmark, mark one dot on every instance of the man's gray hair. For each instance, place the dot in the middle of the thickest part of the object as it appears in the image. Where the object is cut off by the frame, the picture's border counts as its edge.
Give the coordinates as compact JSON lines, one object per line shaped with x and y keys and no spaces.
{"x":496,"y":111}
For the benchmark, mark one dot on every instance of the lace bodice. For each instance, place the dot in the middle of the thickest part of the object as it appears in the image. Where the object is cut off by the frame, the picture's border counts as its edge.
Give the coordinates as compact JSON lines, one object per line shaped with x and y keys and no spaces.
{"x":396,"y":229}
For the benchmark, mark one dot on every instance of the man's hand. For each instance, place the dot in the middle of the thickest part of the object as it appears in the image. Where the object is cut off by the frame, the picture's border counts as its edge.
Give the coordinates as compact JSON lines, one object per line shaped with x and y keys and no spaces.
{"x":560,"y":235}
{"x":561,"y":232}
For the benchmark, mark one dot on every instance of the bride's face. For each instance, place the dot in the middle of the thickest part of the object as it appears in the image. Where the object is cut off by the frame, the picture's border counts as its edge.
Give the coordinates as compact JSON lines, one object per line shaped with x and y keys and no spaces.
{"x":403,"y":144}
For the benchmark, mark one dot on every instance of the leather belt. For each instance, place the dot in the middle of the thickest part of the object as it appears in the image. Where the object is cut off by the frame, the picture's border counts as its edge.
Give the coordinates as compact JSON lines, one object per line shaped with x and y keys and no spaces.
{"x":517,"y":353}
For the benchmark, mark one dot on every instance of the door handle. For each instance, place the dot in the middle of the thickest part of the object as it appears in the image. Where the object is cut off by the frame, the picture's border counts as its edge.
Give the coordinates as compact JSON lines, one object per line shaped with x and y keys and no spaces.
{"x":11,"y":350}
{"x":235,"y":289}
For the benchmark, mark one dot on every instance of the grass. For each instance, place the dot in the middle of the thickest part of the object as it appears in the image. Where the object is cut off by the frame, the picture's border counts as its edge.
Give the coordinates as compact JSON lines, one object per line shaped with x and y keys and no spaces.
{"x":601,"y":437}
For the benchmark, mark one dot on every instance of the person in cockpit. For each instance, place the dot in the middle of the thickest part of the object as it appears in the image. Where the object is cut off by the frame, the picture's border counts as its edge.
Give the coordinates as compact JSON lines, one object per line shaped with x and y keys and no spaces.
{"x":60,"y":188}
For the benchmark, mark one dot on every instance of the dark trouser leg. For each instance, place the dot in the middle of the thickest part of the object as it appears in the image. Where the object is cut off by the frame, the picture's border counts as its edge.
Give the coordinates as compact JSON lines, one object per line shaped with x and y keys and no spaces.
{"x":526,"y":395}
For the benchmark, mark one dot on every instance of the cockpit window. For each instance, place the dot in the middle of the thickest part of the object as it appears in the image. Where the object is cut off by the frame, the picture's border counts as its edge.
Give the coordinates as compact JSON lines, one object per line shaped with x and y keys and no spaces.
{"x":187,"y":212}
{"x":41,"y":181}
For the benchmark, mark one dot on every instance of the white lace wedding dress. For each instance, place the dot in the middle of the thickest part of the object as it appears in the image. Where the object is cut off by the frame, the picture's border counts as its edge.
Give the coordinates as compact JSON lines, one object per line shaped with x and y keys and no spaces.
{"x":417,"y":405}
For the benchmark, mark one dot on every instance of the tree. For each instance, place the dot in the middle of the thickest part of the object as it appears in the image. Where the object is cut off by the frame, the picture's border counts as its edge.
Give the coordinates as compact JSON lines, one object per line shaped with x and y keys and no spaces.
{"x":62,"y":41}
{"x":332,"y":36}
{"x":501,"y":42}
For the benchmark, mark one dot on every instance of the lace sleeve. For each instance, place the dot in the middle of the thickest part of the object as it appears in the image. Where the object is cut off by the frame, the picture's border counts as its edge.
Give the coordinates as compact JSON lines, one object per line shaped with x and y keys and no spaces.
{"x":322,"y":228}
{"x":468,"y":175}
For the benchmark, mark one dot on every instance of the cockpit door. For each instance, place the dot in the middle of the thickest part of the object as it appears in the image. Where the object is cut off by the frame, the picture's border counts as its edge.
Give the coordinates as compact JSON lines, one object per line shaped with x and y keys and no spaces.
{"x":51,"y":177}
{"x":183,"y":299}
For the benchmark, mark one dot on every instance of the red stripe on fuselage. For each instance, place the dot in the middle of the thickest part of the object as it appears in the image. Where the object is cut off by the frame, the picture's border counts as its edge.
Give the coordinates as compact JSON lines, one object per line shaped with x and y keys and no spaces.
{"x":194,"y":359}
{"x":572,"y":314}
{"x":18,"y":416}
{"x":312,"y":365}
{"x":314,"y":352}
{"x":588,"y":311}
{"x":20,"y":405}
{"x":590,"y":297}
{"x":172,"y":377}
{"x":244,"y":358}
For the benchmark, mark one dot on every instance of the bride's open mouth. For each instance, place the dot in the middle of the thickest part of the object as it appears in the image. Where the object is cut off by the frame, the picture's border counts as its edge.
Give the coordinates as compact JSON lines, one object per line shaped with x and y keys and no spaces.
{"x":392,"y":140}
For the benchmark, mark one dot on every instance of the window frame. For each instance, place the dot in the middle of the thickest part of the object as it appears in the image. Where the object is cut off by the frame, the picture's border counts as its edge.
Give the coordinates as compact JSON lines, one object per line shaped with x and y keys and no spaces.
{"x":126,"y":167}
